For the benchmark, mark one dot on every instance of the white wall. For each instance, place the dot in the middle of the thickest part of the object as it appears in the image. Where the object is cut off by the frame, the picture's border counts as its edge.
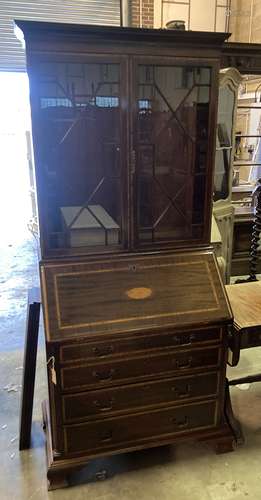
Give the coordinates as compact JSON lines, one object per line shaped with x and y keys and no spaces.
{"x":199,"y":15}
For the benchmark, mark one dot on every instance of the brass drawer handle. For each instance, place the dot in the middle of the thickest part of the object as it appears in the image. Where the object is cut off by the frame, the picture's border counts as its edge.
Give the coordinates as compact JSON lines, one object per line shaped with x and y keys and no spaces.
{"x":186,"y":393}
{"x":101,"y":475}
{"x":106,"y":375}
{"x":179,"y":340}
{"x":103,"y":405}
{"x":181,"y":424}
{"x":106,"y":436}
{"x":103,"y":351}
{"x":183,"y":364}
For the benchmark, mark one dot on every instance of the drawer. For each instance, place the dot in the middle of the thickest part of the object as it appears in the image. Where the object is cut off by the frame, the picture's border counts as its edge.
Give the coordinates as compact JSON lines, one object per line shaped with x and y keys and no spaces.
{"x":120,"y":371}
{"x":121,"y":431}
{"x":109,"y":348}
{"x":102,"y":402}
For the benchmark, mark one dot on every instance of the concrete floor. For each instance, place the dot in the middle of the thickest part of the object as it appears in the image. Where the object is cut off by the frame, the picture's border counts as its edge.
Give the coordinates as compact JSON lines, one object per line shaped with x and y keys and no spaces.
{"x":184,"y":472}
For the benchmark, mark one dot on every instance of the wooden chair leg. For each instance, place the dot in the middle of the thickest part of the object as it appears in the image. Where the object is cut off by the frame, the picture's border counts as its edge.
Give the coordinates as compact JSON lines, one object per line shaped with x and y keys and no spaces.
{"x":30,"y":353}
{"x":232,"y":421}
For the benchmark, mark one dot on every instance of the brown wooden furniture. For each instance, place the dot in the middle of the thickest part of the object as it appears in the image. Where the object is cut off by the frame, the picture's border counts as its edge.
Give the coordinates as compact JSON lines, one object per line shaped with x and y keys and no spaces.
{"x":136,"y":315}
{"x":245,"y":300}
{"x":242,"y":193}
{"x":243,"y":224}
{"x":245,"y":57}
{"x":243,"y":228}
{"x":29,"y":366}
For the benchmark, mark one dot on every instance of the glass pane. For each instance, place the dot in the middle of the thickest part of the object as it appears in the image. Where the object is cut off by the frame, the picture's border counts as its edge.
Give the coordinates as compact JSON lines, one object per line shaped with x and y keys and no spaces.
{"x":80,"y":155}
{"x":172,"y":138}
{"x":226,"y":104}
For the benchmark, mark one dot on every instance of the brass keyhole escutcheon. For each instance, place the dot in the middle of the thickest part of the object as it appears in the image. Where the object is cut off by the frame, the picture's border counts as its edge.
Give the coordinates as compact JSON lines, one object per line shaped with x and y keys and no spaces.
{"x":139,"y":293}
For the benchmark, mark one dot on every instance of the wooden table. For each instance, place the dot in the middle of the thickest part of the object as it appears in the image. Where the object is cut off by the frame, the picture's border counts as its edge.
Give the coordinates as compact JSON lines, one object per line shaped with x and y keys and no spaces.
{"x":245,"y":300}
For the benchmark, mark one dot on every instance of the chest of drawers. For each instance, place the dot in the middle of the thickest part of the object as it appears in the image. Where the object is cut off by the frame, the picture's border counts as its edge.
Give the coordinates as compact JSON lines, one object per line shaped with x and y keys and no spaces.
{"x":135,"y":375}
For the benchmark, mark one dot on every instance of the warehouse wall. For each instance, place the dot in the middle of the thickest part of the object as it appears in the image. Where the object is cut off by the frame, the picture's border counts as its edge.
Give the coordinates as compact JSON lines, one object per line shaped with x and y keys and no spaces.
{"x":201,"y":15}
{"x":245,"y":21}
{"x":142,"y":13}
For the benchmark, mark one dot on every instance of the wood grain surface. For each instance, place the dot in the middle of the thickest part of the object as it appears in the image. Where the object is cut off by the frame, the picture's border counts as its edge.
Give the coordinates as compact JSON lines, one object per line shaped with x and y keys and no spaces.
{"x":116,"y":372}
{"x":245,"y":300}
{"x":137,"y":344}
{"x":117,"y":431}
{"x":133,"y":397}
{"x":91,"y":298}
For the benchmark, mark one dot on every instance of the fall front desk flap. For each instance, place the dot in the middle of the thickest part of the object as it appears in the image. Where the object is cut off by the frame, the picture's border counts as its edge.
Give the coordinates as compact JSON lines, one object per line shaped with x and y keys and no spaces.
{"x":131,"y":294}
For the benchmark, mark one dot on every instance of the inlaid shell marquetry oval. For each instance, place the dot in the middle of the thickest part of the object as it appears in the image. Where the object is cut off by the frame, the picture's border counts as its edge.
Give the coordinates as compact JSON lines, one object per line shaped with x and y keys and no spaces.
{"x":139,"y":293}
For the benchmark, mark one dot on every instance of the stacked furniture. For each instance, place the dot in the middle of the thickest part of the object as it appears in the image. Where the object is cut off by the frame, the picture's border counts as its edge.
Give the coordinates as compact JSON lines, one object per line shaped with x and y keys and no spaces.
{"x":136,"y":324}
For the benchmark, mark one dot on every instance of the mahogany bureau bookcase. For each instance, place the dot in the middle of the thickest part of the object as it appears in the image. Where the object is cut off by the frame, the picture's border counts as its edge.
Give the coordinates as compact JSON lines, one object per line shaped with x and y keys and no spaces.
{"x":136,"y":315}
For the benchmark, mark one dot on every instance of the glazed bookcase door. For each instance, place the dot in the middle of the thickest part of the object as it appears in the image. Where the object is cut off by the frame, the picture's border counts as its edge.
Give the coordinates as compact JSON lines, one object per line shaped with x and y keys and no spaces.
{"x":80,"y":138}
{"x":172,"y":144}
